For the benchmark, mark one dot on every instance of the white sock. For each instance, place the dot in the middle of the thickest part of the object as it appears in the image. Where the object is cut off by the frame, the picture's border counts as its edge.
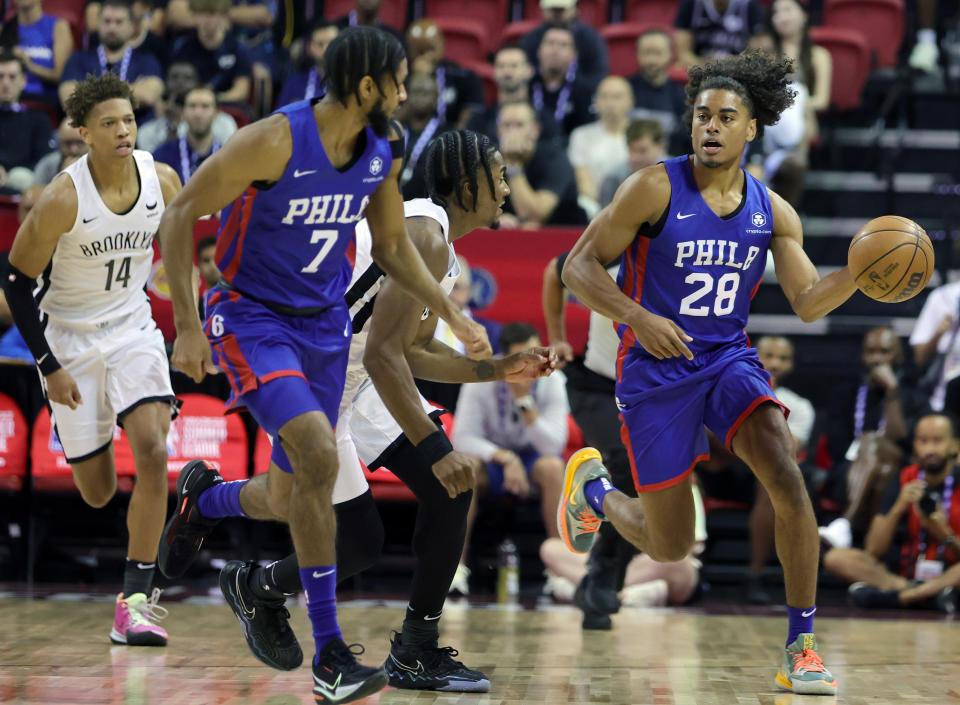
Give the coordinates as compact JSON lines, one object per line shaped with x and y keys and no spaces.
{"x":926,"y":36}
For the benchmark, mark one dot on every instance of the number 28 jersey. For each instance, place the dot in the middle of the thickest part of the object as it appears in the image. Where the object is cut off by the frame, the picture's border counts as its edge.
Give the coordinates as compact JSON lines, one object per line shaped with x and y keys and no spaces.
{"x":701,"y":270}
{"x":99,"y":269}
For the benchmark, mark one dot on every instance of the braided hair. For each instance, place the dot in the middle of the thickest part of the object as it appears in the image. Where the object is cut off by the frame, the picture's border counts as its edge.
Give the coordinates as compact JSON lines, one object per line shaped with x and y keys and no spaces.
{"x":357,"y":52}
{"x":762,"y":82}
{"x":450,"y":157}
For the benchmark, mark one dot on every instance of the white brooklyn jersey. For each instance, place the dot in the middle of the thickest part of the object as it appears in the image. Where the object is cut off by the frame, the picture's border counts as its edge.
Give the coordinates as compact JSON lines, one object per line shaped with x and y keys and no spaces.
{"x":100,"y":268}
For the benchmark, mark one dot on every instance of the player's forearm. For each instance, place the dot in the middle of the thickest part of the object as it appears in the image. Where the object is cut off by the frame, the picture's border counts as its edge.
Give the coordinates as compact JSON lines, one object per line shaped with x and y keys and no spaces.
{"x":394,"y":381}
{"x":436,"y":362}
{"x":26,"y":315}
{"x":554,"y":304}
{"x":175,"y":235}
{"x":401,"y":261}
{"x":585,"y":276}
{"x":819,"y":299}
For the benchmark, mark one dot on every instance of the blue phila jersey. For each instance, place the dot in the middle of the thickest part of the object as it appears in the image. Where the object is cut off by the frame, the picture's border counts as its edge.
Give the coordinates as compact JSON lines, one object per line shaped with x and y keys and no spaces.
{"x":285,"y":242}
{"x":701,"y":270}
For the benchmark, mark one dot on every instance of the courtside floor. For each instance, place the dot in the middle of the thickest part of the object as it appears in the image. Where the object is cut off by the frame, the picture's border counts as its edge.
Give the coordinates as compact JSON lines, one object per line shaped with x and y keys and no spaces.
{"x":55,"y":651}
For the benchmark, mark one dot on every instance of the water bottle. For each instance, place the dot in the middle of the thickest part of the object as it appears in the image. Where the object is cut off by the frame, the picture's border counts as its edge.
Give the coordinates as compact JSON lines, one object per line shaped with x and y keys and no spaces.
{"x":508,"y":571}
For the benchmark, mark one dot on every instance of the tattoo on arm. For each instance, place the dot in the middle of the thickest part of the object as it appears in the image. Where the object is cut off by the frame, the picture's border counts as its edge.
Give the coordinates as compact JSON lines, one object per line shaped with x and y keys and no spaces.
{"x":484,"y":370}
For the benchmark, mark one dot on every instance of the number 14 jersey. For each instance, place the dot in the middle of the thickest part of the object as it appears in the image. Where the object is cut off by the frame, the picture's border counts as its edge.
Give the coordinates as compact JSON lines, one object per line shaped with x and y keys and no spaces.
{"x":99,"y":269}
{"x":701,"y":270}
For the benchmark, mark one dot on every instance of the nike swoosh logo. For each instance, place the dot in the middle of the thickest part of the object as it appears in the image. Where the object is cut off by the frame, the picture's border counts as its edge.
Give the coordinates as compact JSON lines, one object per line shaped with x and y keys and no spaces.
{"x":320,"y":575}
{"x":414,"y":670}
{"x":297,"y":173}
{"x":428,"y":618}
{"x":151,"y":206}
{"x":87,"y":220}
{"x":145,"y":566}
{"x":684,"y":217}
{"x":250,"y":613}
{"x":336,"y":692}
{"x":45,"y":355}
{"x":808,"y":614}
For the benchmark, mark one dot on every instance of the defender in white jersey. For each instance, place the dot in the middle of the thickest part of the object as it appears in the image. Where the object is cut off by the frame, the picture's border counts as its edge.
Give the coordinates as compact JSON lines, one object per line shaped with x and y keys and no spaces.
{"x":78,"y":270}
{"x":385,"y":421}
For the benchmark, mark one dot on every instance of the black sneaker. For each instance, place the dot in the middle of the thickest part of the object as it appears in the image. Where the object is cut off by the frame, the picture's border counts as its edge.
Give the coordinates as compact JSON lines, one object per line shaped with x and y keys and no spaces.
{"x":431,"y":668}
{"x":600,"y":584}
{"x":593,"y":618}
{"x":265,"y":623}
{"x":864,"y":595}
{"x":946,"y":600}
{"x":184,"y":533}
{"x":338,"y":678}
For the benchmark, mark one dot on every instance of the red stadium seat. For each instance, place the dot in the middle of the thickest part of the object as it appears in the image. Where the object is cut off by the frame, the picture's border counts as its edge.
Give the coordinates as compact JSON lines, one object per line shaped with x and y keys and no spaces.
{"x":241,"y":115}
{"x":202,"y":431}
{"x":485,"y":72}
{"x":515,"y":31}
{"x":393,"y":13}
{"x":851,"y":63}
{"x":621,"y":42}
{"x":73,"y":12}
{"x":880,"y":21}
{"x":51,"y":471}
{"x":464,"y":40}
{"x":574,"y":438}
{"x":8,"y":221}
{"x":662,"y":12}
{"x":490,"y":14}
{"x":47,"y":109}
{"x":591,"y":12}
{"x":14,"y":434}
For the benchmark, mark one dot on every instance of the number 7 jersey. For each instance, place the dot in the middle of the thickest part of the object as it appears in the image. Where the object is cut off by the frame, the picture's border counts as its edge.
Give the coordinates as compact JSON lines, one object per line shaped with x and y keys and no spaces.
{"x":700,"y":270}
{"x":99,"y":269}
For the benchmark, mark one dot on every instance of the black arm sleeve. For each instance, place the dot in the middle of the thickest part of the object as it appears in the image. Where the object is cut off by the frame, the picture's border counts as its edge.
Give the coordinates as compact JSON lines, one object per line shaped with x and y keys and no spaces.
{"x":26,"y":315}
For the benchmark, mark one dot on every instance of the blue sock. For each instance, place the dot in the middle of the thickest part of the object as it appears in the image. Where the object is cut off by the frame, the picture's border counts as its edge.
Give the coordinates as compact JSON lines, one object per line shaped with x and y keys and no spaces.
{"x":801,"y":622}
{"x":595,"y":491}
{"x":222,"y":500}
{"x":320,"y":589}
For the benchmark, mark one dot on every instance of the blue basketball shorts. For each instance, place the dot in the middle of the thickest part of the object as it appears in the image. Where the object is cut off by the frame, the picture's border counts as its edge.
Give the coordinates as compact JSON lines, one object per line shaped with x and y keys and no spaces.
{"x":665,"y":404}
{"x":278,"y":366}
{"x":528,"y":456}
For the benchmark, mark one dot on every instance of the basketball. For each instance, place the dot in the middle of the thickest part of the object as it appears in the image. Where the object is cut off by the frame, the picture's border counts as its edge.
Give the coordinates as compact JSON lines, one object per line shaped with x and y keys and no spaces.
{"x":891,"y":259}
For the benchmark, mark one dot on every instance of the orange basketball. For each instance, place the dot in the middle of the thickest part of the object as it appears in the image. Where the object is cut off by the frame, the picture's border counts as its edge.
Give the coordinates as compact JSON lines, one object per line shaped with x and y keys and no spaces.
{"x":891,"y":259}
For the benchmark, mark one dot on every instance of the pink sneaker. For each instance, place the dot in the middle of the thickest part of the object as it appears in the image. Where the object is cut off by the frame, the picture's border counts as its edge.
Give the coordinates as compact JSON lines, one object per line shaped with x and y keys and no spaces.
{"x":133,"y":623}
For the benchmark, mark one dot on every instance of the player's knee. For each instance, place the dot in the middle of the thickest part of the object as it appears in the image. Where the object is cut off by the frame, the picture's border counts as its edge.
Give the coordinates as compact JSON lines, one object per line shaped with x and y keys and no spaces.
{"x":315,"y":464}
{"x":151,"y":458}
{"x":835,"y":559}
{"x":673,"y":547}
{"x":99,"y":495}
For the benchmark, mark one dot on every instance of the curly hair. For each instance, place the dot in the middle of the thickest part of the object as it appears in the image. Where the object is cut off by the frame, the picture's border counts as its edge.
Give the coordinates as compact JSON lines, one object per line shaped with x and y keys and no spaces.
{"x":762,"y":82}
{"x":94,"y":90}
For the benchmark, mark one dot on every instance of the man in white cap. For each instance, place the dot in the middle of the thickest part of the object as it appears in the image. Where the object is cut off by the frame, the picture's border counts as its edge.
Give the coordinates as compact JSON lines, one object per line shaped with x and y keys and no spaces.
{"x":591,"y":49}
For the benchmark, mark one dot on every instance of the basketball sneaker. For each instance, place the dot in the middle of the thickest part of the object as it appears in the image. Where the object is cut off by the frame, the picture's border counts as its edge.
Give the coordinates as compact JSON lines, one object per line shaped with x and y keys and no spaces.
{"x":431,"y":668}
{"x":802,"y":670}
{"x":184,"y":533}
{"x":133,"y":620}
{"x":265,"y":623}
{"x":577,"y":522}
{"x":338,"y":678}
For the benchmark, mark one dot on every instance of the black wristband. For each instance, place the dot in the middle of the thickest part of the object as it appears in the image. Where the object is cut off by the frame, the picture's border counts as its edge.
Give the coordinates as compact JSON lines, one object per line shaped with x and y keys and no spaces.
{"x":434,"y":447}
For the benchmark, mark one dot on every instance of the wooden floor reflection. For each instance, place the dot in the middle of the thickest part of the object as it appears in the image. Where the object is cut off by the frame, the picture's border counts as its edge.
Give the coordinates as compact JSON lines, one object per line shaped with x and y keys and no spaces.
{"x":57,"y":653}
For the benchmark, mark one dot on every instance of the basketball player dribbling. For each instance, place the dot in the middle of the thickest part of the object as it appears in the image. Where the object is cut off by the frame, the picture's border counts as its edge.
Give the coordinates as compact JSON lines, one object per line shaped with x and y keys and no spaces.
{"x":695,"y":231}
{"x":293,"y":186}
{"x":77,"y":291}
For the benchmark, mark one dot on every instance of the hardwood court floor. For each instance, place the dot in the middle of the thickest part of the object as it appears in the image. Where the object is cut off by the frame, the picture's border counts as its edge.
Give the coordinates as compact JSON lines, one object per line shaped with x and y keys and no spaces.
{"x":57,"y":653}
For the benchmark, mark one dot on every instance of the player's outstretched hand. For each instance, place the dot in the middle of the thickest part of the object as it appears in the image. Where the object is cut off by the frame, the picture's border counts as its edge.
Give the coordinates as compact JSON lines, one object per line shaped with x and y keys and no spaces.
{"x":191,"y":354}
{"x":529,"y":364}
{"x":564,"y":353}
{"x":472,"y":335}
{"x":62,"y":389}
{"x":455,"y":471}
{"x":660,"y":336}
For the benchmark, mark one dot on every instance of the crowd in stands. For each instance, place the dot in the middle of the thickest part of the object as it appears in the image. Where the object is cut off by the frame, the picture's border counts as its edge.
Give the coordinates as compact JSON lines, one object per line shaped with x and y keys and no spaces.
{"x":572,"y":125}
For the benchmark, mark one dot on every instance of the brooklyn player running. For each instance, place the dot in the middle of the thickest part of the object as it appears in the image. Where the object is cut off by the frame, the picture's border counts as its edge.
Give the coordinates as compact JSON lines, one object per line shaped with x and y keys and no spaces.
{"x":293,"y":186}
{"x":465,"y":177}
{"x":78,"y":271}
{"x":695,"y":232}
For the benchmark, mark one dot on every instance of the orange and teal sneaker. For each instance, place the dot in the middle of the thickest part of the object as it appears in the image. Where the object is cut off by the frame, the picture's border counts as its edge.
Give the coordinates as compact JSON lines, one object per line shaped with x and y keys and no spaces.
{"x":577,"y":522}
{"x":802,"y":670}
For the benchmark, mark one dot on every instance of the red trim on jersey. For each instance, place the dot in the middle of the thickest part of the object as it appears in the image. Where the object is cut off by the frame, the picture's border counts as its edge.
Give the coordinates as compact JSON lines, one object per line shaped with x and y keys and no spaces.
{"x":625,"y":437}
{"x":625,"y":344}
{"x":749,"y":410}
{"x":282,"y":373}
{"x":228,"y":373}
{"x":232,"y":352}
{"x":756,"y":288}
{"x":217,"y":296}
{"x":236,"y":230}
{"x":351,"y":252}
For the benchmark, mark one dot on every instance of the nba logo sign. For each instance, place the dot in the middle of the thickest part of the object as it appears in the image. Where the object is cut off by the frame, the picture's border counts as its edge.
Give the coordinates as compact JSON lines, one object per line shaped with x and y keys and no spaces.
{"x":759,"y":219}
{"x":376,"y":164}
